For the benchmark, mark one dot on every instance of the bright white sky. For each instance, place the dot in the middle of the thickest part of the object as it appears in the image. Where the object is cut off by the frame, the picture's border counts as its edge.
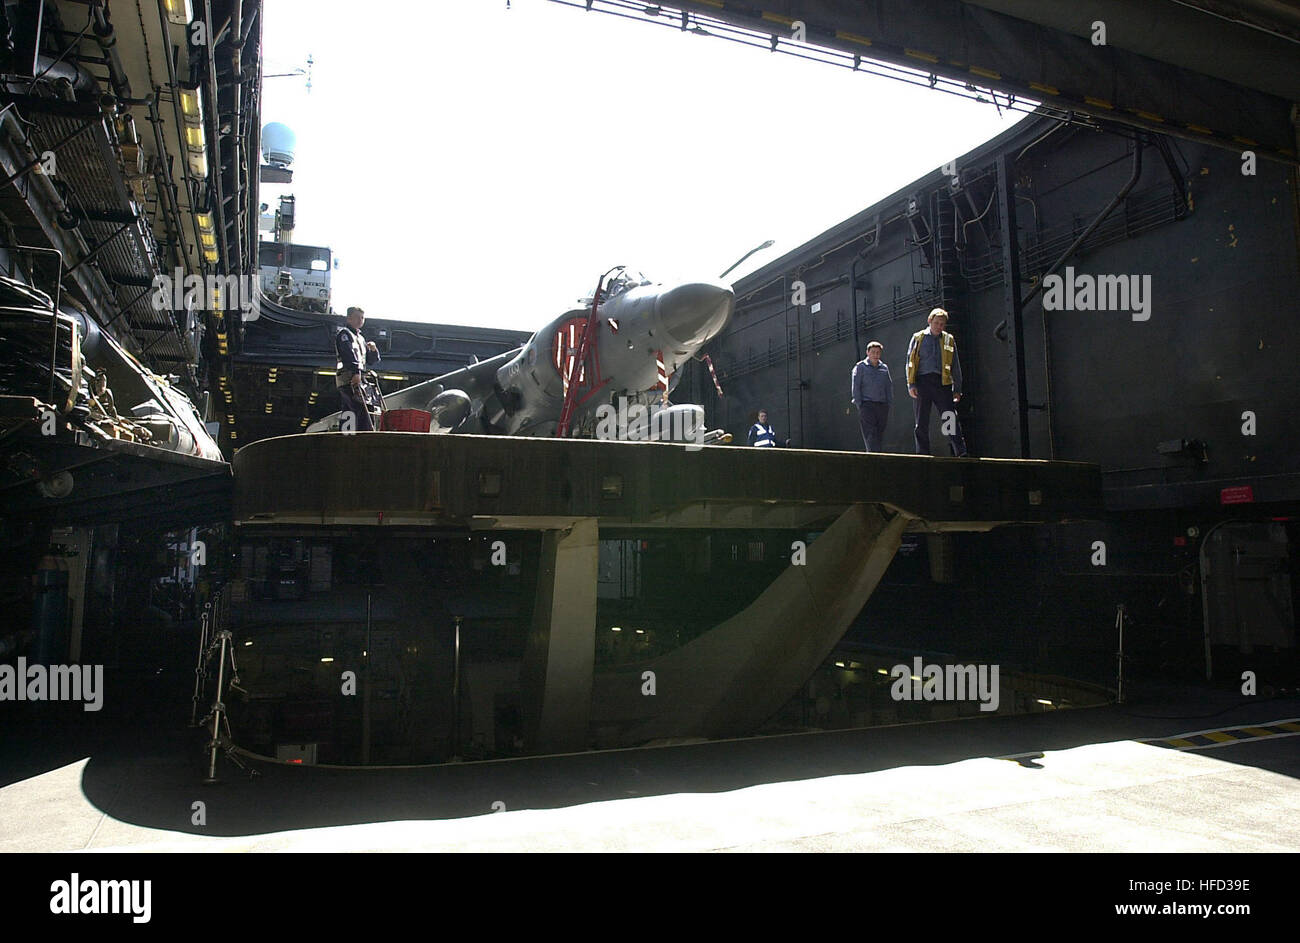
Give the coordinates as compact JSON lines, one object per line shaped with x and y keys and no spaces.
{"x":484,"y":166}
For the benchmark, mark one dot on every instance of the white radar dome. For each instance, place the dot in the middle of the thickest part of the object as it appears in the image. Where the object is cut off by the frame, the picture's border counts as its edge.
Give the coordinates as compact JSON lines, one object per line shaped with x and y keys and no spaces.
{"x":278,"y":143}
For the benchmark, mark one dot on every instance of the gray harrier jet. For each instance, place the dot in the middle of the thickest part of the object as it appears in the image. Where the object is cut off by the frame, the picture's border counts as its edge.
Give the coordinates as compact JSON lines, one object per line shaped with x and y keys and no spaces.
{"x":622,"y":350}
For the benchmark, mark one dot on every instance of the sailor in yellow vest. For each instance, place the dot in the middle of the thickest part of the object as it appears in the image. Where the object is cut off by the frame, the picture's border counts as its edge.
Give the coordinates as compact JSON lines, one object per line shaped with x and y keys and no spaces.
{"x":934,"y":379}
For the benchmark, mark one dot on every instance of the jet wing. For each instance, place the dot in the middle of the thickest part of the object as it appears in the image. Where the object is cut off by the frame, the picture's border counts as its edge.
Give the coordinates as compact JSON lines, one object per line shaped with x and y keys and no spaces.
{"x":477,"y":381}
{"x":474,"y":384}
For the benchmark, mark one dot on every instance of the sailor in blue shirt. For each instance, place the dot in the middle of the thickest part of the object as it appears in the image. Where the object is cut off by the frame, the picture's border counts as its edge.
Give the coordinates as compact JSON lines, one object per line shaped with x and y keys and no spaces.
{"x":873,"y":393}
{"x":761,"y":434}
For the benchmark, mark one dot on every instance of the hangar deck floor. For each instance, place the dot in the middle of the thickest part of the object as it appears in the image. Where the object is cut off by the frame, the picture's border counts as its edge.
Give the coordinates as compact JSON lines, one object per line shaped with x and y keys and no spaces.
{"x":1089,"y":783}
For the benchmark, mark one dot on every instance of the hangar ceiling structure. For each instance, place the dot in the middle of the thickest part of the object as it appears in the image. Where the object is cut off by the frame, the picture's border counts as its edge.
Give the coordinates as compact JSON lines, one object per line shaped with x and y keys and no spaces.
{"x":1223,"y":71}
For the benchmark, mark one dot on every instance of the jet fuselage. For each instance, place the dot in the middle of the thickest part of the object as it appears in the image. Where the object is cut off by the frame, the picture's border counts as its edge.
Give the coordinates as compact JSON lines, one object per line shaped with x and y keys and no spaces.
{"x":522,"y":392}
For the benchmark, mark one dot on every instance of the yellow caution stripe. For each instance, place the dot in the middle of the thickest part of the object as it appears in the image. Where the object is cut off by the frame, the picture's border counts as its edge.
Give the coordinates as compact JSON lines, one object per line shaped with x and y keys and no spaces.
{"x":852,"y":38}
{"x":1207,"y":739}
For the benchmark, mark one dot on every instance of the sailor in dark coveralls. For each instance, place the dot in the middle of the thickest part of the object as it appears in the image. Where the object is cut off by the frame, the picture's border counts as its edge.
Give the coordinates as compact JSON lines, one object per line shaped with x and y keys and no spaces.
{"x":354,"y":354}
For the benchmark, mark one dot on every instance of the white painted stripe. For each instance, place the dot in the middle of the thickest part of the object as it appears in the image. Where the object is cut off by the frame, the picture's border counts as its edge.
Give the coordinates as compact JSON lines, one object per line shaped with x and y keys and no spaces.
{"x":1230,"y":743}
{"x":1201,"y":733}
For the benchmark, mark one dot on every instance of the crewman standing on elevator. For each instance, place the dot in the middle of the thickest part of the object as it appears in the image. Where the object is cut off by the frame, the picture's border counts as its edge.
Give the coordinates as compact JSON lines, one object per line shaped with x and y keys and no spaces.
{"x":761,"y":434}
{"x":354,"y":354}
{"x":872,"y":391}
{"x":934,"y":379}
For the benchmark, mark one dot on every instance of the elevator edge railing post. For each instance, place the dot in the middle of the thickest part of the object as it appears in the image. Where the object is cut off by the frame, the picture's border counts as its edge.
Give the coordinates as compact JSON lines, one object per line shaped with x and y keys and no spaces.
{"x":365,"y":687}
{"x":1120,"y":612}
{"x":455,"y":692}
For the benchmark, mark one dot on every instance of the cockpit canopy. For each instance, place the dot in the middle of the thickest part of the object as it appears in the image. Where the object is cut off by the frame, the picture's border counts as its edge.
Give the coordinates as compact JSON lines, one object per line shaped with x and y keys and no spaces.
{"x":617,"y":282}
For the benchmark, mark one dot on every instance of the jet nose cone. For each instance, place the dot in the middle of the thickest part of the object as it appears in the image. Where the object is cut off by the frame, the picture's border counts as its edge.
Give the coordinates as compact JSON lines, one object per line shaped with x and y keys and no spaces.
{"x":695,"y":312}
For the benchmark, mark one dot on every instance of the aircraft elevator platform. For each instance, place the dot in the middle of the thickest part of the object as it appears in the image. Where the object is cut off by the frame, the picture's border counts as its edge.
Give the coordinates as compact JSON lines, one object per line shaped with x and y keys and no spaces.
{"x":846,"y":514}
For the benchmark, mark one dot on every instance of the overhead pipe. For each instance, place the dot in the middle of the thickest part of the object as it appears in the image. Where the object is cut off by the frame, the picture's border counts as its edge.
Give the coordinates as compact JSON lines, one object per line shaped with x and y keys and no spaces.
{"x":812,"y":291}
{"x":48,"y":67}
{"x":853,"y":303}
{"x":1000,"y":331}
{"x":236,"y":126}
{"x":173,"y":219}
{"x":107,"y":40}
{"x":1162,"y":145}
{"x":53,"y":69}
{"x":247,"y":30}
{"x":216,"y":172}
{"x":180,"y":126}
{"x":166,"y":192}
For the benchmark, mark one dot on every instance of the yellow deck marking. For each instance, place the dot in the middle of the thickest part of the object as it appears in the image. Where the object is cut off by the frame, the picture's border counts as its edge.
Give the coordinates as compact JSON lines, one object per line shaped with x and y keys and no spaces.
{"x":852,"y":37}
